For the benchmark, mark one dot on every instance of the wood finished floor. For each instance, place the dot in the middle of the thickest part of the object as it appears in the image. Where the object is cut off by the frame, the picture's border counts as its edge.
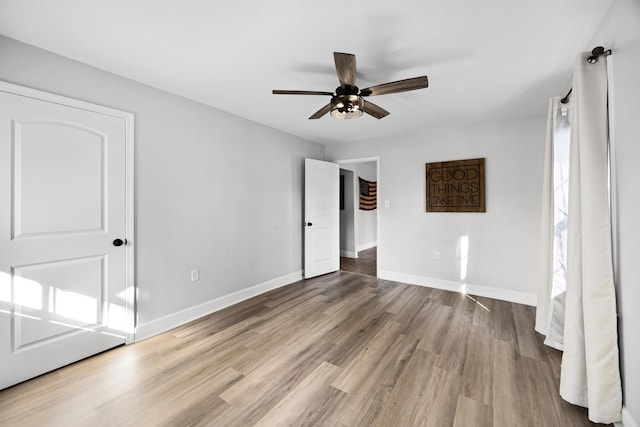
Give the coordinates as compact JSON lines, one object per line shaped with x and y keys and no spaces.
{"x":364,"y":264}
{"x":339,"y":350}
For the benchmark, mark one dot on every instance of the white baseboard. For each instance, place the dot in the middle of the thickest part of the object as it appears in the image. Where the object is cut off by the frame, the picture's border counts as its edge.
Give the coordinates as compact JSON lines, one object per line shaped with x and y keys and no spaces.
{"x":165,"y":323}
{"x":366,"y":246}
{"x":627,"y":419}
{"x":349,"y":254}
{"x":468,"y":288}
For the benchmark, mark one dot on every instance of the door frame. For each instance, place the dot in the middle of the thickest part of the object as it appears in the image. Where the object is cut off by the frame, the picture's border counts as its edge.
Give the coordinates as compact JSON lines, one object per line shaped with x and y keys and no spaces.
{"x":129,"y":118}
{"x":375,"y":159}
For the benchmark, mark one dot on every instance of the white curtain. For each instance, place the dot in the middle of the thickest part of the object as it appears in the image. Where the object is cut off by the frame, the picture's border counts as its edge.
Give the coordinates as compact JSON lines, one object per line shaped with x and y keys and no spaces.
{"x":553,"y":243}
{"x":590,"y":374}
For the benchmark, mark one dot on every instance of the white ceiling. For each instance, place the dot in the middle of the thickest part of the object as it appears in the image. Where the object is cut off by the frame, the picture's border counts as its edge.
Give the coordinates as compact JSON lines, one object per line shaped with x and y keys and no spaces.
{"x":486,"y":60}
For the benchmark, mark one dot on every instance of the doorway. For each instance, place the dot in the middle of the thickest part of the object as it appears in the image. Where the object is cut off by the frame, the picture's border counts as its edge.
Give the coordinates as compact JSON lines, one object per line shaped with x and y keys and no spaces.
{"x":365,"y":263}
{"x":359,"y":219}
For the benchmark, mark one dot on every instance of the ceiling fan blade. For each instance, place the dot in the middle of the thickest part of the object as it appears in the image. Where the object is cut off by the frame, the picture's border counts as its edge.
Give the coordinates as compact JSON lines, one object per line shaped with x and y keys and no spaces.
{"x":321,"y":112}
{"x":300,"y":92}
{"x":345,"y":67}
{"x":373,"y":110}
{"x":398,"y":86}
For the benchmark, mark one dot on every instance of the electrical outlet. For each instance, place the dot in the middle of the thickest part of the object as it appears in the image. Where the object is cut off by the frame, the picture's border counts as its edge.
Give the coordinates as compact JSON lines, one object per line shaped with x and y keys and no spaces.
{"x":436,"y":256}
{"x":195,"y":275}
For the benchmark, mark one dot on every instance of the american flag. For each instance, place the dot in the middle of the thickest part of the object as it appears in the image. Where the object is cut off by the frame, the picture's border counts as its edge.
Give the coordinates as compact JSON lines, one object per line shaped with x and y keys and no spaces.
{"x":368,"y":194}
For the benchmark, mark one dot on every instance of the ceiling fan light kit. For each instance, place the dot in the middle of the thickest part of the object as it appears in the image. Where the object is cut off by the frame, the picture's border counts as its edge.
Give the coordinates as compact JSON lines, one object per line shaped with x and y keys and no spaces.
{"x":348,"y":101}
{"x":346,"y":106}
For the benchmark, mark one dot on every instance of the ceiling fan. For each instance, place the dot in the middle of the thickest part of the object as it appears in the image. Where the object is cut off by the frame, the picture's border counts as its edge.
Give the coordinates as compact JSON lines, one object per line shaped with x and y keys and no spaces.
{"x":348,"y":101}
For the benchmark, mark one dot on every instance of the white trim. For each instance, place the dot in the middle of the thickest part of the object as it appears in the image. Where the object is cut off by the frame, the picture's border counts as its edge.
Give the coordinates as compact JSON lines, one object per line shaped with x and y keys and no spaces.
{"x":627,"y":419}
{"x":366,"y":246}
{"x":349,"y":254}
{"x":130,"y":302}
{"x":358,"y":160}
{"x":467,"y":288}
{"x":129,"y":119}
{"x":63,"y":100}
{"x":170,"y":321}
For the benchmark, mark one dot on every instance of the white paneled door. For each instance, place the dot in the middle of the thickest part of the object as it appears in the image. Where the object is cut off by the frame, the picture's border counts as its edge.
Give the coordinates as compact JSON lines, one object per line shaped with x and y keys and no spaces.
{"x":322,"y":218}
{"x":63,"y":230}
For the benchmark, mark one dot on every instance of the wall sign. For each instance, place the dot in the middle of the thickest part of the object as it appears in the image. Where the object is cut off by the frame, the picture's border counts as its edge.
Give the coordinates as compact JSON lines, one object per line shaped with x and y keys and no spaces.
{"x":456,"y":186}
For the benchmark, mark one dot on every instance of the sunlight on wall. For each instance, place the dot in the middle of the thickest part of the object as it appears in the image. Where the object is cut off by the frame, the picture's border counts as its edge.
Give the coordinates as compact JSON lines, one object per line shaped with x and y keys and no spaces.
{"x":463,"y":245}
{"x":127,"y":294}
{"x":73,"y":305}
{"x":26,"y":316}
{"x":27,"y":293}
{"x":62,"y":307}
{"x":117,"y":318}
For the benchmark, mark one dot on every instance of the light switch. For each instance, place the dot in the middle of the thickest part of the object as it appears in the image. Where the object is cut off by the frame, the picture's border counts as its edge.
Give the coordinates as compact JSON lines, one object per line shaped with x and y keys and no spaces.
{"x":387,"y":203}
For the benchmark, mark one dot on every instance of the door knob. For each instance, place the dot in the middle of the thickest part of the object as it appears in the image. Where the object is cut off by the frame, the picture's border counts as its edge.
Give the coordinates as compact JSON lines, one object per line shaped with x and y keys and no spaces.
{"x":309,"y":224}
{"x":119,"y":242}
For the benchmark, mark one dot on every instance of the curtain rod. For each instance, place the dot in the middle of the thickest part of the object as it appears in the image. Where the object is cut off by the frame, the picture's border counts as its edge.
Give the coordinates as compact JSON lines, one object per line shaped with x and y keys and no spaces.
{"x":596,"y":53}
{"x":566,"y":97}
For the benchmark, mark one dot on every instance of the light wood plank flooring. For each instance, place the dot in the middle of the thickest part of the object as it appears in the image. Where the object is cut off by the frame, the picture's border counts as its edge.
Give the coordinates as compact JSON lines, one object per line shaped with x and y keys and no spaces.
{"x":339,"y":350}
{"x":364,"y":264}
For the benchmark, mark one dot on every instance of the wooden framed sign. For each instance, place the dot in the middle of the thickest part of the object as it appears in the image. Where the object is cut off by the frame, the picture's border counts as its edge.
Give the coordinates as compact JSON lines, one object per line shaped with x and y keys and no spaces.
{"x":456,"y":186}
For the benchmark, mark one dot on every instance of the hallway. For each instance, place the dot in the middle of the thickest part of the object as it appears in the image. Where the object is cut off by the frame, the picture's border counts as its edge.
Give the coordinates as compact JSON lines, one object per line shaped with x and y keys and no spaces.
{"x":366,"y":263}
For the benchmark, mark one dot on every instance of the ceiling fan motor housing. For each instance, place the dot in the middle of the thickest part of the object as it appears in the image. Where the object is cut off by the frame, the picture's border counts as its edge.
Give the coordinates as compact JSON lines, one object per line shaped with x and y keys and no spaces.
{"x":347,"y":90}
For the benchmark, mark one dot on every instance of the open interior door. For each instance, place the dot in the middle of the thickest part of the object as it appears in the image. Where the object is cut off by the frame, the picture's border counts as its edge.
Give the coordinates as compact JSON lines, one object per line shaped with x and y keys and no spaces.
{"x":322,"y":218}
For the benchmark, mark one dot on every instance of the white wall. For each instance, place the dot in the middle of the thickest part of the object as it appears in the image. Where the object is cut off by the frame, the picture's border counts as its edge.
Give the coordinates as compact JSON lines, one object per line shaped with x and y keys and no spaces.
{"x":347,"y":231}
{"x":503,"y":242}
{"x":620,"y":31}
{"x":213,"y":191}
{"x":367,"y":220}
